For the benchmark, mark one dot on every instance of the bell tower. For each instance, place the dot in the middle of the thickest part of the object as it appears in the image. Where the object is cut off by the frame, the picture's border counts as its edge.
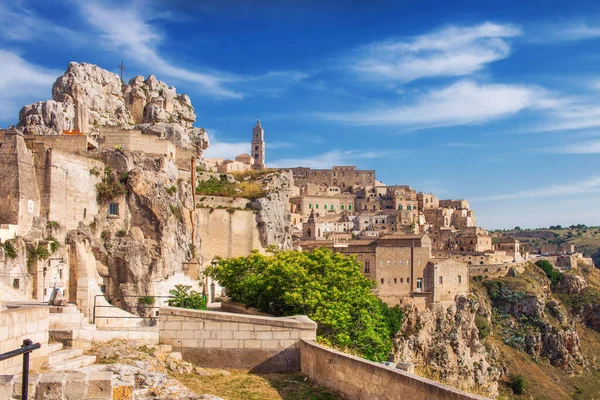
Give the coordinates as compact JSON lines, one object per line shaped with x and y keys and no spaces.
{"x":258,"y":146}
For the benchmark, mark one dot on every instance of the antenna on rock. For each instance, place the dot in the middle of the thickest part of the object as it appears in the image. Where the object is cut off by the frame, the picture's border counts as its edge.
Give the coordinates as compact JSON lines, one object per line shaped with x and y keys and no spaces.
{"x":122,"y":68}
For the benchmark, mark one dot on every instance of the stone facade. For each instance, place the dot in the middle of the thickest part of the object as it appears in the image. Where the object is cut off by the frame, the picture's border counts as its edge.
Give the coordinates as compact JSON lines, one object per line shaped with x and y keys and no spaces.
{"x":225,"y":340}
{"x":341,"y":176}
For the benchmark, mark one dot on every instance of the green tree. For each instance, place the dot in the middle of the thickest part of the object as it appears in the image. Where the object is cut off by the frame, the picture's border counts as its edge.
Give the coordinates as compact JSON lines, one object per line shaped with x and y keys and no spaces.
{"x":327,"y":287}
{"x":186,"y":298}
{"x":552,"y":274}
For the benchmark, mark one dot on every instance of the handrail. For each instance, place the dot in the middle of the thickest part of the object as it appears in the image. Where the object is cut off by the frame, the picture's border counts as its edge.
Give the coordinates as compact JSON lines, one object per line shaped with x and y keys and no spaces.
{"x":27,"y":347}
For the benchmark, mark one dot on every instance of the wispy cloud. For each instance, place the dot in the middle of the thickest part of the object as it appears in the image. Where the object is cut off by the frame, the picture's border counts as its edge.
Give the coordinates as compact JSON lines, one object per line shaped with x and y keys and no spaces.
{"x":583,"y":147}
{"x":224,"y":149}
{"x":24,"y":25}
{"x":280,"y":145}
{"x":464,"y":102}
{"x":334,"y":157}
{"x":590,"y":185}
{"x":21,"y":82}
{"x":461,"y":145}
{"x":452,"y":51}
{"x":129,"y":29}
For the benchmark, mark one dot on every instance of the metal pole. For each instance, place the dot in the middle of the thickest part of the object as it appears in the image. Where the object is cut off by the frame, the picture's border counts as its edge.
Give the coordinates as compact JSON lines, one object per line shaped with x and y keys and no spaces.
{"x":25,"y":381}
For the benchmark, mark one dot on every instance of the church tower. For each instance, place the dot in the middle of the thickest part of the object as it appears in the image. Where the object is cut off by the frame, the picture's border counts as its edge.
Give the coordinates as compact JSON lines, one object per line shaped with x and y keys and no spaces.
{"x":258,"y":146}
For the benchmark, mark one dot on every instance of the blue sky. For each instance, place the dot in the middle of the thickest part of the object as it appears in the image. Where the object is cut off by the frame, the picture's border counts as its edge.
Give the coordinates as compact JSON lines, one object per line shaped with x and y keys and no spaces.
{"x":494,"y":102}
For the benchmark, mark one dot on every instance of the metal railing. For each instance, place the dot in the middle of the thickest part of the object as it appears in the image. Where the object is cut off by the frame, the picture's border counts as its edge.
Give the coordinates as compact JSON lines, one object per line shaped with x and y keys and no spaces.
{"x":151,"y":317}
{"x":27,"y":347}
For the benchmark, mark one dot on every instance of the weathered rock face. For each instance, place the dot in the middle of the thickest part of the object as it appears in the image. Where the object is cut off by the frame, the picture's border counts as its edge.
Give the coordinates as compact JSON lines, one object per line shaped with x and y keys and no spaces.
{"x":87,"y":97}
{"x":274,"y":216}
{"x":444,"y":342}
{"x":571,"y":284}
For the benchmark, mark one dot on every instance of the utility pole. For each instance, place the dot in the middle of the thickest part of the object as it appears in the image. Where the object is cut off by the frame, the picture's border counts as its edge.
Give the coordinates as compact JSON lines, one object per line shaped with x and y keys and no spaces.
{"x":122,"y":68}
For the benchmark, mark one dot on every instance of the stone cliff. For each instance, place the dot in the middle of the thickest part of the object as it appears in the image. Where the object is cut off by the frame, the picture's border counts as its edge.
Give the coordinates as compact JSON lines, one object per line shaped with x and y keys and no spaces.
{"x":87,"y":97}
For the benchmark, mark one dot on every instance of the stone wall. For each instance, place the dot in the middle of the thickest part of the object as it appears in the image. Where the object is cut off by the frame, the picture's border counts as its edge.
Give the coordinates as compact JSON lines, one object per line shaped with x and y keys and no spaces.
{"x":356,"y":378}
{"x":22,"y":323}
{"x":495,"y":270}
{"x":135,"y":140}
{"x":227,"y":233}
{"x":225,"y":340}
{"x":69,"y":143}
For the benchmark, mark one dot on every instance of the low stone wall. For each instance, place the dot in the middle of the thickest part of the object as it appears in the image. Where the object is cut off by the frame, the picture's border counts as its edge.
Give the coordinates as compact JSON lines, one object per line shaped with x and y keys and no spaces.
{"x":239,"y":308}
{"x":495,"y":270}
{"x":18,"y":324}
{"x":225,"y":340}
{"x":356,"y":378}
{"x":95,"y":385}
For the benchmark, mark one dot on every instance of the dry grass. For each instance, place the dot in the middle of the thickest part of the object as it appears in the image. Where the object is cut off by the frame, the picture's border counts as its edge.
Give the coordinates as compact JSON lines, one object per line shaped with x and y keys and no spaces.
{"x":242,"y":385}
{"x":251,"y":190}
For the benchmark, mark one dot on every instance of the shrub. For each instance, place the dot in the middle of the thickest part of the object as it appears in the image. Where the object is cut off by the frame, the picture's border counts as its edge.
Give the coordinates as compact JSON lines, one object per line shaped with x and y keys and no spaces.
{"x":483,"y":326}
{"x":9,"y":250}
{"x":54,"y":245}
{"x":106,"y":235}
{"x":121,"y":233}
{"x":251,"y":190}
{"x":172,"y":190}
{"x":552,"y":274}
{"x":52,"y":225}
{"x":517,"y":383}
{"x":217,"y":187}
{"x":39,"y":252}
{"x":94,"y":171}
{"x":146,"y":301}
{"x":109,"y":188}
{"x":176,"y":211}
{"x":187,"y":298}
{"x":326,"y":286}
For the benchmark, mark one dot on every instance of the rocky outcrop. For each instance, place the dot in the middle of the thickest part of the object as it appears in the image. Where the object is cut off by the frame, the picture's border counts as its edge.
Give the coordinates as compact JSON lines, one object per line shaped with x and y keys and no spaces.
{"x":443,"y":343}
{"x":571,"y":284}
{"x":273,"y":214}
{"x":87,"y":97}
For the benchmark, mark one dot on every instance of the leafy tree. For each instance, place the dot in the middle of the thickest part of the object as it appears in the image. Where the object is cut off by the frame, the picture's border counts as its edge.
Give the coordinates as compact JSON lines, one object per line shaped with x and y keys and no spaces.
{"x":552,"y":274}
{"x":517,"y":383}
{"x":326,"y":286}
{"x":187,"y":298}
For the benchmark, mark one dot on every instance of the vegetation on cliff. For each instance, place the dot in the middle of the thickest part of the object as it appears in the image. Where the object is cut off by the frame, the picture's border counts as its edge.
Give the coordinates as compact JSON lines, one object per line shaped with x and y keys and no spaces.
{"x":327,"y":287}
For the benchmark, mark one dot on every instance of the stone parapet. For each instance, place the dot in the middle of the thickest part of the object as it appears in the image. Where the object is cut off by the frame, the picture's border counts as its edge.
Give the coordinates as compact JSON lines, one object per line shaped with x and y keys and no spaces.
{"x":225,"y":340}
{"x":356,"y":378}
{"x":60,"y":386}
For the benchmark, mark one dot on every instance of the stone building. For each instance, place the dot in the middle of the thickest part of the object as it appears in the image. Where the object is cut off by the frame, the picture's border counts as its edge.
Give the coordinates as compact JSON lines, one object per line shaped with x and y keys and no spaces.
{"x":402,"y":268}
{"x":344,"y":177}
{"x":258,"y":146}
{"x":510,"y":245}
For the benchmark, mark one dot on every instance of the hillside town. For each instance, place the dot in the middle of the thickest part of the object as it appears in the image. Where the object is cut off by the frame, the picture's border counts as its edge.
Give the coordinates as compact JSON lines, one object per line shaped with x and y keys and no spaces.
{"x":107,"y":199}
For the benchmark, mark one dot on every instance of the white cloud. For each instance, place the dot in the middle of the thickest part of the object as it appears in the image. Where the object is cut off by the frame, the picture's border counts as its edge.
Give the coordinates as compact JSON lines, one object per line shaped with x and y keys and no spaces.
{"x":580,"y":31}
{"x":225,"y":150}
{"x":129,"y":30}
{"x":452,"y":51}
{"x":21,"y":82}
{"x":464,"y":102}
{"x":331,"y":158}
{"x":585,"y":147}
{"x":590,"y":185}
{"x":22,"y":24}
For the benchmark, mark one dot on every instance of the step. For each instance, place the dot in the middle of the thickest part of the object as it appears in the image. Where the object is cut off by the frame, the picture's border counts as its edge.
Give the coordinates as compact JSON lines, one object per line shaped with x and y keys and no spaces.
{"x":53,"y":347}
{"x":91,"y":368}
{"x":74,"y":363}
{"x":63,"y":355}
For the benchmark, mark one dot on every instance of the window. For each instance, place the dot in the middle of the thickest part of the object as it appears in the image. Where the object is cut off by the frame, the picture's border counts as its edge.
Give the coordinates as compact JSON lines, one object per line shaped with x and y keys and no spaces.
{"x":309,"y":205}
{"x":395,"y":280}
{"x":256,"y":155}
{"x":317,"y":205}
{"x":388,"y":263}
{"x":459,"y":279}
{"x":401,"y":280}
{"x":325,"y":206}
{"x":331,"y":208}
{"x":382,"y":281}
{"x":367,"y":267}
{"x":255,"y":147}
{"x":401,"y":262}
{"x":441,"y":280}
{"x":408,"y":208}
{"x":389,"y":281}
{"x":419,"y":284}
{"x":407,"y":280}
{"x":342,"y":207}
{"x":84,"y":213}
{"x":400,"y":207}
{"x":15,"y":284}
{"x":349,"y":207}
{"x":60,"y":274}
{"x":113,"y":209}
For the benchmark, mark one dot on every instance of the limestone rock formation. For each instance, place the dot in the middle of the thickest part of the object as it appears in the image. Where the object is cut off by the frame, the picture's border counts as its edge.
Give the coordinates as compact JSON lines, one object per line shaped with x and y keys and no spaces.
{"x":273,"y":215}
{"x":87,"y":97}
{"x":443,"y":342}
{"x":572,"y":284}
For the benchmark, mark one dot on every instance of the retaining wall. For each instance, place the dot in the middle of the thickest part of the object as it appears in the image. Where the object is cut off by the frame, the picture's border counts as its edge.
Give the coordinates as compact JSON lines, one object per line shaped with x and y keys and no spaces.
{"x":495,"y":270}
{"x":225,"y":340}
{"x":356,"y":378}
{"x":21,"y":323}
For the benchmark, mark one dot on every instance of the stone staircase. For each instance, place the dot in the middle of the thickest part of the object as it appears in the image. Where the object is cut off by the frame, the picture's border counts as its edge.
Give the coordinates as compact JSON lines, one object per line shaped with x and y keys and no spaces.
{"x":60,"y":359}
{"x":71,"y":328}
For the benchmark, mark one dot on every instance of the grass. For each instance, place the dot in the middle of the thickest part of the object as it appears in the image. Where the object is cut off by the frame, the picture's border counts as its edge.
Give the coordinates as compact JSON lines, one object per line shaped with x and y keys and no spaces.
{"x":243,"y":385}
{"x":221,"y":187}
